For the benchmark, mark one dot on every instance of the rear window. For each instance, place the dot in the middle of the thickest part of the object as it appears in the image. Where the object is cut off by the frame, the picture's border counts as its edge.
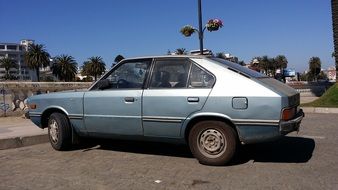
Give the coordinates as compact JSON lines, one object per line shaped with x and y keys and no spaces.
{"x":240,"y":69}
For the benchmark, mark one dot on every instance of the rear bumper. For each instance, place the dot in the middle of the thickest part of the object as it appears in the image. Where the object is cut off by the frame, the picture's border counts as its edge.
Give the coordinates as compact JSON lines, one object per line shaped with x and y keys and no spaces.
{"x":250,"y":133}
{"x":291,"y":125}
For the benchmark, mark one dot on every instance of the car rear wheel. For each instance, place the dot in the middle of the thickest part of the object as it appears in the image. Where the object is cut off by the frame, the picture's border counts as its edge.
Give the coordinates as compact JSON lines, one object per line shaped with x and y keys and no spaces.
{"x":213,"y":142}
{"x":59,"y":131}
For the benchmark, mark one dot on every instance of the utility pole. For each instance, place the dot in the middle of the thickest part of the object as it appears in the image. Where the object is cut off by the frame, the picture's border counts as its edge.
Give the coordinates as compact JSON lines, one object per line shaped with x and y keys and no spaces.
{"x":200,"y":33}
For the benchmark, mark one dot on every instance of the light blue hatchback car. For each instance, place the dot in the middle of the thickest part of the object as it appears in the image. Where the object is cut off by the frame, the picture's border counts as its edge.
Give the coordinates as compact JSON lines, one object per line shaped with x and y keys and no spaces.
{"x":209,"y":103}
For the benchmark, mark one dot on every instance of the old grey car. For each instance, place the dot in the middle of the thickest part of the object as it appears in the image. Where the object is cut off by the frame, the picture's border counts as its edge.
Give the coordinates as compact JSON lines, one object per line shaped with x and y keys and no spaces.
{"x":208,"y":103}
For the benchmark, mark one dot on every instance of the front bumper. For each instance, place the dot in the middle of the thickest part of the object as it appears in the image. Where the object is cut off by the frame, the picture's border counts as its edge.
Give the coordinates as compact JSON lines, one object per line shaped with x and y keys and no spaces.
{"x":293,"y":124}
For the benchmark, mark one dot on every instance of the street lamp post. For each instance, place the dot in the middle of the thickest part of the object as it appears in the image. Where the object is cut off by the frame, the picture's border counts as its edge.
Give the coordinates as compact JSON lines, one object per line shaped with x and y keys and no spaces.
{"x":212,"y":25}
{"x":200,"y":31}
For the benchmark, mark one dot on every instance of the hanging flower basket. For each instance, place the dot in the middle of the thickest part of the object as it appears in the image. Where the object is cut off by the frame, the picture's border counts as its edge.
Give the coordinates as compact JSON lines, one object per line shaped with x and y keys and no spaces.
{"x":187,"y":30}
{"x":214,"y":24}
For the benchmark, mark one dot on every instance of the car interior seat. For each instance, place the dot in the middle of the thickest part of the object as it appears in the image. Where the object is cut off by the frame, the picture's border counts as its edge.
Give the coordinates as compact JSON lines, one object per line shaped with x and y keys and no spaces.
{"x":182,"y":81}
{"x":164,"y":79}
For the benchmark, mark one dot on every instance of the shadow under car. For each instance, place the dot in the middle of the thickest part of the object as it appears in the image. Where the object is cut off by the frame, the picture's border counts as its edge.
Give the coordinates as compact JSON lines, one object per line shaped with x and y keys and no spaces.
{"x":286,"y":150}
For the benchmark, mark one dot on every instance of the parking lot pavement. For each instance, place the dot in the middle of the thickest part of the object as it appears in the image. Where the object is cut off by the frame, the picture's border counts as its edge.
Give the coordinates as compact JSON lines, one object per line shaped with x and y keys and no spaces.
{"x":307,"y":160}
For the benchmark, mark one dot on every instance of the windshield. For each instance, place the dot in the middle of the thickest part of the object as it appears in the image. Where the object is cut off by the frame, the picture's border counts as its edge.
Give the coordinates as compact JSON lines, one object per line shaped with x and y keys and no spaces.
{"x":234,"y":66}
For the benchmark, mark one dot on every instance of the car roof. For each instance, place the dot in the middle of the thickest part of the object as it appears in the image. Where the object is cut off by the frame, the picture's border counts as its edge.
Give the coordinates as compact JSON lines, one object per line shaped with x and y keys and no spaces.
{"x":168,"y":56}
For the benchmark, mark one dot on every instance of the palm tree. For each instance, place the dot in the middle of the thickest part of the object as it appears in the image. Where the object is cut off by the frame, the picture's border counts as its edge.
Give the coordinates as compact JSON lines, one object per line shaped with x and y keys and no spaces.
{"x":314,"y":66}
{"x":118,"y":58}
{"x":334,"y":6}
{"x":264,"y":63}
{"x":267,"y":64}
{"x":181,"y":51}
{"x":281,"y":61}
{"x":64,"y":67}
{"x":36,"y":57}
{"x":220,"y":55}
{"x":94,"y":66}
{"x":7,"y":64}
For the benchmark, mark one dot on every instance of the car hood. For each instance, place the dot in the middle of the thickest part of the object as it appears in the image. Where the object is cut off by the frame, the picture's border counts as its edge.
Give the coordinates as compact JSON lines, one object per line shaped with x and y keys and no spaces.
{"x":70,"y":101}
{"x":62,"y":94}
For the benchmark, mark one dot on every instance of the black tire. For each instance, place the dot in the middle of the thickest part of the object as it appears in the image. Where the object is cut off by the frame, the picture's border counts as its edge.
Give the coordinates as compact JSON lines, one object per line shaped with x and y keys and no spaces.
{"x":59,"y":131}
{"x":213,"y":142}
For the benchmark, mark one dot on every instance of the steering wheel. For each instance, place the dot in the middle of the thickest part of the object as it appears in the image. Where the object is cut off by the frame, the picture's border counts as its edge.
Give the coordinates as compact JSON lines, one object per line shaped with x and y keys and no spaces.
{"x":121,"y":83}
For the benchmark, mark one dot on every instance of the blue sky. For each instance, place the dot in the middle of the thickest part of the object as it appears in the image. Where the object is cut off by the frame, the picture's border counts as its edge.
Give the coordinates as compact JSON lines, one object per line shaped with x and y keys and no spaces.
{"x":298,"y":29}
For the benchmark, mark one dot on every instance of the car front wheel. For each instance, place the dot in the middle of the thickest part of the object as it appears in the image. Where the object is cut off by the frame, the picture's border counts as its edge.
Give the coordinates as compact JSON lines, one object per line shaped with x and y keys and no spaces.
{"x":213,"y":142}
{"x":59,"y":131}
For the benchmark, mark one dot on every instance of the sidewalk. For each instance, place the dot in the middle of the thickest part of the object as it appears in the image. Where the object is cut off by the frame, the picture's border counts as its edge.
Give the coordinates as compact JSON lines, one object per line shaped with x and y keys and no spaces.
{"x":18,"y":132}
{"x":307,"y":99}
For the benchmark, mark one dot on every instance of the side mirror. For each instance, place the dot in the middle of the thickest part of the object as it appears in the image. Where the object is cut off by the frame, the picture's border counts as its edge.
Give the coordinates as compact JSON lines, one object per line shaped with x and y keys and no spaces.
{"x":103,"y":84}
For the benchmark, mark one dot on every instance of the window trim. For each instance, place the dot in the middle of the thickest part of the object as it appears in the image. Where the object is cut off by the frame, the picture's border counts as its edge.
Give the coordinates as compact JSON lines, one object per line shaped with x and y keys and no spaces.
{"x":167,"y":59}
{"x":151,"y":70}
{"x":205,"y":70}
{"x":115,"y":67}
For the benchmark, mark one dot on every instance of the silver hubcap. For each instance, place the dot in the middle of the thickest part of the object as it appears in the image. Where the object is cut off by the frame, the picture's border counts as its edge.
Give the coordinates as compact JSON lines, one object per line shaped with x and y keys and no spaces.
{"x":211,"y":143}
{"x":54,"y":131}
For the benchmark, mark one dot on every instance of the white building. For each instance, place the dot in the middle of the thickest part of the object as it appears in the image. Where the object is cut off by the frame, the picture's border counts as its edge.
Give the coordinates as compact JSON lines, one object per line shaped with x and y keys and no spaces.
{"x":331,"y":73}
{"x":16,"y":52}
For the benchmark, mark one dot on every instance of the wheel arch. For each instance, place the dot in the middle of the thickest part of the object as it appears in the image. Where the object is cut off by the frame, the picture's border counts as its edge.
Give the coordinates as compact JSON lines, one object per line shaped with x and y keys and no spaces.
{"x":204,"y":117}
{"x":47,"y":112}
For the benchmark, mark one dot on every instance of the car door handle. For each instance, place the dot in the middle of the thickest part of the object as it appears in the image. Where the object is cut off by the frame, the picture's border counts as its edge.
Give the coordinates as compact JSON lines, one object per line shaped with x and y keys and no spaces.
{"x":129,"y":99}
{"x":193,"y":99}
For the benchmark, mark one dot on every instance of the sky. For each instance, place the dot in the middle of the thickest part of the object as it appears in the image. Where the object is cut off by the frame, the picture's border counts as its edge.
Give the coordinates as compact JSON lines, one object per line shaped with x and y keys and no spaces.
{"x":298,"y":29}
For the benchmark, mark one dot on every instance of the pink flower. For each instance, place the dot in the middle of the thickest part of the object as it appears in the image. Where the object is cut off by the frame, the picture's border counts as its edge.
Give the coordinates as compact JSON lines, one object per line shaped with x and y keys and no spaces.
{"x":214,"y":24}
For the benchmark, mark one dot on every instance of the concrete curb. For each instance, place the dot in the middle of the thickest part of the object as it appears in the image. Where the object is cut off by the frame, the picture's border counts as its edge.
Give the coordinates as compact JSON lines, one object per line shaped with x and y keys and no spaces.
{"x":17,"y":142}
{"x":320,"y":110}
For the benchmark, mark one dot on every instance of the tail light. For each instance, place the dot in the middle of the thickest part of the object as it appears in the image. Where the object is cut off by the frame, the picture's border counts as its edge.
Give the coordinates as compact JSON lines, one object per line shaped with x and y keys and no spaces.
{"x":288,"y":113}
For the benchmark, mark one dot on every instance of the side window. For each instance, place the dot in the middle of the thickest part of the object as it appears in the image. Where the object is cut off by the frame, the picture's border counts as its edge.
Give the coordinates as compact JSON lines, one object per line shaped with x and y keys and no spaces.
{"x":199,"y":78}
{"x":128,"y":75}
{"x":170,"y":74}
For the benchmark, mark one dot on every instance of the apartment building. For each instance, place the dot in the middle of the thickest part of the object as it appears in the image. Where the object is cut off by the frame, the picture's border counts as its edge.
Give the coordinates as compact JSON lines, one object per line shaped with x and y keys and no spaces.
{"x":16,"y":52}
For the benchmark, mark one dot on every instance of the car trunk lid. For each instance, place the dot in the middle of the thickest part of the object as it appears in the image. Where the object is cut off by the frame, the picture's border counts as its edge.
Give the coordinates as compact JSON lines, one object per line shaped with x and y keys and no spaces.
{"x":293,"y":97}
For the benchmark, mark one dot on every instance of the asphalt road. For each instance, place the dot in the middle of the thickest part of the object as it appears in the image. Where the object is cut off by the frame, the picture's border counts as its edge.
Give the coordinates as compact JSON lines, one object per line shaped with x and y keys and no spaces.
{"x":307,"y":160}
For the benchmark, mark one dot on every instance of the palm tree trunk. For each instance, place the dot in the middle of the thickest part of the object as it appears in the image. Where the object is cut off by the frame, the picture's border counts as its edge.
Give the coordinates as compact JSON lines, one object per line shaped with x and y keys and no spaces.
{"x":37,"y":73}
{"x":7,"y":75}
{"x":334,"y":6}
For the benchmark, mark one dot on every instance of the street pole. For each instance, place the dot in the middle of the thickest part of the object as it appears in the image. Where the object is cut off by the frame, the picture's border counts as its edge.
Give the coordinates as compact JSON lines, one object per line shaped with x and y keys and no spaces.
{"x":200,"y":31}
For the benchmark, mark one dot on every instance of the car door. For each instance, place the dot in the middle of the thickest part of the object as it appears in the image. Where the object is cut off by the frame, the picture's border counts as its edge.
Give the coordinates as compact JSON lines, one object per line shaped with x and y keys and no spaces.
{"x":177,"y":88}
{"x":116,"y":108}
